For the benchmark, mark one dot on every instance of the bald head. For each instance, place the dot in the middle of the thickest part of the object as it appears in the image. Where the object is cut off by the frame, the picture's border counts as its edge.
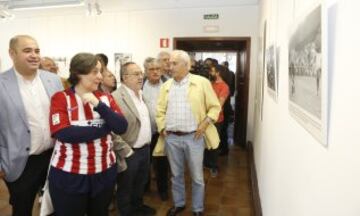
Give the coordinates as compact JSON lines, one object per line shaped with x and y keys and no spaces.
{"x":25,"y":54}
{"x":15,"y":40}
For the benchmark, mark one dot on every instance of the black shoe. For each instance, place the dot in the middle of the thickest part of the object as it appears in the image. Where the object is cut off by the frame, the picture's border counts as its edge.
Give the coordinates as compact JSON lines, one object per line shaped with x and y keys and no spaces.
{"x":145,"y":210}
{"x":164,"y":196}
{"x":224,"y":153}
{"x":197,"y":214}
{"x":173,"y":211}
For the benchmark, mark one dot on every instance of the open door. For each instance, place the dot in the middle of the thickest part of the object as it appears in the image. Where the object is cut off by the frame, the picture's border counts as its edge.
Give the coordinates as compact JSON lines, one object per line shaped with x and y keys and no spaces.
{"x":240,"y":45}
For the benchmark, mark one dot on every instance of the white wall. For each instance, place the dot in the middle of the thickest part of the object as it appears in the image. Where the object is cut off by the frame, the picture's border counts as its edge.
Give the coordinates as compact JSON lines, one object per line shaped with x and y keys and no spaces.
{"x":64,"y":32}
{"x":298,"y":176}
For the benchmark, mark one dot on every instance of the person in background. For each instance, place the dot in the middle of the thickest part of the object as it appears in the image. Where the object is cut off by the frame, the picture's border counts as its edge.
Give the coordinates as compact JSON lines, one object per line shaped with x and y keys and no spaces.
{"x":186,"y":110}
{"x":229,"y":78}
{"x":222,"y":92}
{"x":135,"y":143}
{"x":163,"y":58}
{"x":83,"y":171}
{"x":25,"y":141}
{"x":109,"y":83}
{"x":151,"y":90}
{"x":49,"y":64}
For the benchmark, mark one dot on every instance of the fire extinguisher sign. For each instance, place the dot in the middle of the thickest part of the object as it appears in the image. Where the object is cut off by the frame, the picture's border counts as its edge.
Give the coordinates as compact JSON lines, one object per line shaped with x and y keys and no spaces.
{"x":164,"y":42}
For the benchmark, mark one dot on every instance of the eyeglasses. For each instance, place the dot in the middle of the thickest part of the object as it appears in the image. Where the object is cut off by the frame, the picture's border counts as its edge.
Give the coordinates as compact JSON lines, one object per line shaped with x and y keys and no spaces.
{"x":138,"y":74}
{"x":154,"y":69}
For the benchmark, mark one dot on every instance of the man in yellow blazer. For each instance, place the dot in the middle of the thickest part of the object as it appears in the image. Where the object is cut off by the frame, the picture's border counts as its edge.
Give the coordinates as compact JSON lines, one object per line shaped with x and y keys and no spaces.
{"x":187,"y":108}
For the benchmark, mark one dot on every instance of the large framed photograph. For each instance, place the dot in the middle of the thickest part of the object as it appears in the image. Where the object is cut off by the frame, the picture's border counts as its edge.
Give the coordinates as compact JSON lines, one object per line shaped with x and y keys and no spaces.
{"x":308,"y":94}
{"x":262,"y":71}
{"x":120,"y":59}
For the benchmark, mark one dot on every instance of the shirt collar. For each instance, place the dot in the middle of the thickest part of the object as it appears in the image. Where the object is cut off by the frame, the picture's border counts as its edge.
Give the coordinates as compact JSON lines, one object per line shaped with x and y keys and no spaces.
{"x":132,"y":93}
{"x":23,"y":80}
{"x":183,"y":81}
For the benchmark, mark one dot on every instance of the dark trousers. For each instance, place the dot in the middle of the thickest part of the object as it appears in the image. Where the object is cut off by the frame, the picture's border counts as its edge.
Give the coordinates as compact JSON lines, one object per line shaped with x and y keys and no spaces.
{"x":228,"y":115}
{"x":161,"y":167}
{"x":211,"y":155}
{"x":23,"y":190}
{"x":72,"y":204}
{"x":131,"y":182}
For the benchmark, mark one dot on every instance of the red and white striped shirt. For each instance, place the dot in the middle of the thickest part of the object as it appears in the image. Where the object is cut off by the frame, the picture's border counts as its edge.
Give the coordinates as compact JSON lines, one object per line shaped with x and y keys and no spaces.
{"x":95,"y":156}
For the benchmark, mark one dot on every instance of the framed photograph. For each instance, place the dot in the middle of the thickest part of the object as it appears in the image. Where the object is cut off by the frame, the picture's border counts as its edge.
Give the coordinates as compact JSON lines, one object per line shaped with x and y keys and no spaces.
{"x":63,"y":66}
{"x":308,"y":94}
{"x":120,"y":59}
{"x":262,"y":72}
{"x":271,"y":72}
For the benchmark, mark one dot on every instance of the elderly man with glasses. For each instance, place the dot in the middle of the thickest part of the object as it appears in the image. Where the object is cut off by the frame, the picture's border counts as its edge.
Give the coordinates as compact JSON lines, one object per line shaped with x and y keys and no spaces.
{"x":131,"y":182}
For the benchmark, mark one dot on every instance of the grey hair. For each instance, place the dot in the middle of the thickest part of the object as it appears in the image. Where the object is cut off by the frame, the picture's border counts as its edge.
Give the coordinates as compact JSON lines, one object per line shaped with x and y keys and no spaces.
{"x":181,"y":54}
{"x":150,"y":60}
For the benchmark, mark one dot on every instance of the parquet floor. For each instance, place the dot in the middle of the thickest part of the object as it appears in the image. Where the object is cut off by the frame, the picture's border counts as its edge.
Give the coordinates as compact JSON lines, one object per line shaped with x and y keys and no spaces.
{"x":226,"y":195}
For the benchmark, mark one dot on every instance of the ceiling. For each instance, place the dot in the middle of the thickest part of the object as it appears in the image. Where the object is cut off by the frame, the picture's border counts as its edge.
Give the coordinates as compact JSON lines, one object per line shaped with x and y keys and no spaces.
{"x":142,"y":4}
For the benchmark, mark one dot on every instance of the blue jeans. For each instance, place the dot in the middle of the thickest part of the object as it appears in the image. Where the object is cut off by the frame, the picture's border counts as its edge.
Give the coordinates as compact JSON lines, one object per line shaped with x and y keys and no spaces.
{"x":181,"y":149}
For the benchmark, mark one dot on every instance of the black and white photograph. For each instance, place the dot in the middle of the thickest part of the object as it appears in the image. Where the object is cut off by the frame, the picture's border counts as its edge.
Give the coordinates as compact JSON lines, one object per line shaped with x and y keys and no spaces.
{"x":270,"y":71}
{"x":120,"y":59}
{"x":62,"y":64}
{"x":307,"y":90}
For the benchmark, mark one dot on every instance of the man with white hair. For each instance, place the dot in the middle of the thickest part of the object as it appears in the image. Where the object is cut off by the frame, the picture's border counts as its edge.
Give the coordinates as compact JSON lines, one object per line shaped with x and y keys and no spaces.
{"x":163,"y":58}
{"x":187,"y":107}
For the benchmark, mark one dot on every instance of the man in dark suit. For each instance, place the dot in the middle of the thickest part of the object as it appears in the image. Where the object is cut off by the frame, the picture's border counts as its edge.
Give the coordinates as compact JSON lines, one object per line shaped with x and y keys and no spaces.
{"x":25,"y":142}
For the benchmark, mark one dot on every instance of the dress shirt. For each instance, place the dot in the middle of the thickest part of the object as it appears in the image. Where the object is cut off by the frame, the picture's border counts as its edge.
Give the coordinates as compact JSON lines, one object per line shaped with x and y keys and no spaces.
{"x":37,"y":106}
{"x":144,"y":136}
{"x":150,"y":94}
{"x":179,"y":116}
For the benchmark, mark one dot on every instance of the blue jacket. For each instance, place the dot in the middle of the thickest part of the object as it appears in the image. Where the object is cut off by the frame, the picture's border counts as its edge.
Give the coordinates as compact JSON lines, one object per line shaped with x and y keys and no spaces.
{"x":15,"y":134}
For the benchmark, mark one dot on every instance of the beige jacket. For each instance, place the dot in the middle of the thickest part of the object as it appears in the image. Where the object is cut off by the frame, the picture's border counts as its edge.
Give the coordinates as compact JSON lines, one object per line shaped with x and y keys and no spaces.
{"x":204,"y":103}
{"x":123,"y":144}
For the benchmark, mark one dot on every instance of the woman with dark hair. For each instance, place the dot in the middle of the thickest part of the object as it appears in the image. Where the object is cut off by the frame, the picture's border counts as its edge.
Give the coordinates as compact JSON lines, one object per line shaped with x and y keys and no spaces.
{"x":83,"y":171}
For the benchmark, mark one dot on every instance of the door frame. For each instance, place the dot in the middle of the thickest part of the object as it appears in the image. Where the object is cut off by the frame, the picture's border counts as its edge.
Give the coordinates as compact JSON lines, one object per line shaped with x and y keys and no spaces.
{"x":240,"y":112}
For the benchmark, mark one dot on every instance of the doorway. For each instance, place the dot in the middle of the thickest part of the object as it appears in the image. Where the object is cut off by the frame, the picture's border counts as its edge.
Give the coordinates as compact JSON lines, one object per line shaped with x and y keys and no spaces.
{"x":241,"y":47}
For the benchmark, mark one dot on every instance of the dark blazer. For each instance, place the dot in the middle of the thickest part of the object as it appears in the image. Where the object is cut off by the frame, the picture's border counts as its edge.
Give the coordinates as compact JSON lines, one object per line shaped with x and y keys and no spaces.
{"x":15,"y":136}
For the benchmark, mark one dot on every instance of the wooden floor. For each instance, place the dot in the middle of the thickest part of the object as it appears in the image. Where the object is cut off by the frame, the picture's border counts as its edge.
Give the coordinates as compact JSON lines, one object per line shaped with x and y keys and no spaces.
{"x":226,"y":195}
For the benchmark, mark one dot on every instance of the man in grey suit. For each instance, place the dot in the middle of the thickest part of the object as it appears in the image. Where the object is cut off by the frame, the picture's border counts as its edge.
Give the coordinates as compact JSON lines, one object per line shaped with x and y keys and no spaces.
{"x":132,"y":181}
{"x":25,"y":142}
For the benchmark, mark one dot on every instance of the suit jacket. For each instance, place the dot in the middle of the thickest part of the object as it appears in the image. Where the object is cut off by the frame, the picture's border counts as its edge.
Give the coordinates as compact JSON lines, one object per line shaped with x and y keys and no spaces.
{"x":203,"y":102}
{"x":123,"y":144}
{"x":15,"y":133}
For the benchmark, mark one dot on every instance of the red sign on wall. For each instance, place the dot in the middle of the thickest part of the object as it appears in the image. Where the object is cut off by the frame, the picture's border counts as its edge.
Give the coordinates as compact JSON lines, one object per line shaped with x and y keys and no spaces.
{"x":164,"y":42}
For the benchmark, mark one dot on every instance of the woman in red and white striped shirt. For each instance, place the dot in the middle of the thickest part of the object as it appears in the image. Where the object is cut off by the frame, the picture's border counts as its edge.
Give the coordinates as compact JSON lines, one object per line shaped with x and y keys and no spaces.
{"x":83,"y":172}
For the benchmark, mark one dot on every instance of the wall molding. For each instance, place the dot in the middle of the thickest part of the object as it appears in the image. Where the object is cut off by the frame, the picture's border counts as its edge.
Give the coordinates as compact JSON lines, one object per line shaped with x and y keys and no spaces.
{"x":255,"y":196}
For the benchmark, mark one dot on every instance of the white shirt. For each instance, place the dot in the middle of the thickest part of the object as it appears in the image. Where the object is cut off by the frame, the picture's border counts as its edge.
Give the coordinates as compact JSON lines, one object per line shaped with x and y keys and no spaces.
{"x":37,"y":106}
{"x":151,"y":94}
{"x":144,"y":136}
{"x":179,"y":116}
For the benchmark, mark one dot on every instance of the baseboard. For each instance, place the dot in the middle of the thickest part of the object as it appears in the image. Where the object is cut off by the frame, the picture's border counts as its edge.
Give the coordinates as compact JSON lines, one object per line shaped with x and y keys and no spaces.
{"x":255,"y":196}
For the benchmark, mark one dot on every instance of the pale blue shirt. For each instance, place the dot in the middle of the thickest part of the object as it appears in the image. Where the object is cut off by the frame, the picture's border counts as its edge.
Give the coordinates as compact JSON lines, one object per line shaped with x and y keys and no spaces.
{"x":151,"y":94}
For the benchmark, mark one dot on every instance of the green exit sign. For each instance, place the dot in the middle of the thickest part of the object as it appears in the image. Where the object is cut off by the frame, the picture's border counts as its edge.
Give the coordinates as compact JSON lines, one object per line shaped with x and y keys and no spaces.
{"x":211,"y":16}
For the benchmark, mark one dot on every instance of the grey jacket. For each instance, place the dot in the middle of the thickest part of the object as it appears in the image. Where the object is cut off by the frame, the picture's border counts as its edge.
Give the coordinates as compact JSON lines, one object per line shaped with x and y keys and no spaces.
{"x":15,"y":135}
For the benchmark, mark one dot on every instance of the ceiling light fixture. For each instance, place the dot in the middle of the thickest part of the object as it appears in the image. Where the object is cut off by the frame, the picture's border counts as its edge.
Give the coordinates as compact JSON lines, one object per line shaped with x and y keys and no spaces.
{"x":93,"y":8}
